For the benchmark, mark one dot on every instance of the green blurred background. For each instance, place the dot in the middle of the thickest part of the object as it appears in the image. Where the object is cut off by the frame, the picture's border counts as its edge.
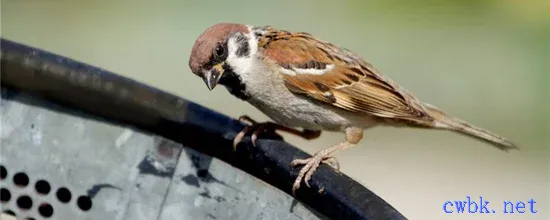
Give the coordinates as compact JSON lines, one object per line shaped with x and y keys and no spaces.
{"x":485,"y":61}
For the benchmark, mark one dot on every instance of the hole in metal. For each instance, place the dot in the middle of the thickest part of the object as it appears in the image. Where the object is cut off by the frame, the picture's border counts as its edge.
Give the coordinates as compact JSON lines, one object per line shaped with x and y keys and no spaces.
{"x":9,"y":212}
{"x":5,"y":195}
{"x":3,"y":172}
{"x":24,"y":202}
{"x":45,"y":210}
{"x":42,"y":187}
{"x":64,"y":195}
{"x":29,"y":218}
{"x":21,"y":179}
{"x":84,"y":203}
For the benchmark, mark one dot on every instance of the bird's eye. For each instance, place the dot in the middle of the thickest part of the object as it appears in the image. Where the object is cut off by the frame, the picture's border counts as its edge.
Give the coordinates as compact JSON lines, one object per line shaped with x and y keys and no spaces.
{"x":220,"y":51}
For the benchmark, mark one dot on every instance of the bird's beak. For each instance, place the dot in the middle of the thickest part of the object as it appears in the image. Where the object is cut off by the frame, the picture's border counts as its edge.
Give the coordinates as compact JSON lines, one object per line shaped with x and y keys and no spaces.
{"x":212,"y":77}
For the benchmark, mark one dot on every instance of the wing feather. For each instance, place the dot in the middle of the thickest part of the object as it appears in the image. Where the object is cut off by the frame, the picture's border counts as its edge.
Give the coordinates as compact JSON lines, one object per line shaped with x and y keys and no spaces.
{"x":351,"y":83}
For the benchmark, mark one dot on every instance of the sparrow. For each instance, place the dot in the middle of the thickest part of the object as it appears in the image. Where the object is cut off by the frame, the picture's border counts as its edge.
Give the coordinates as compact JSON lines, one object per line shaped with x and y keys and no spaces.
{"x":302,"y":82}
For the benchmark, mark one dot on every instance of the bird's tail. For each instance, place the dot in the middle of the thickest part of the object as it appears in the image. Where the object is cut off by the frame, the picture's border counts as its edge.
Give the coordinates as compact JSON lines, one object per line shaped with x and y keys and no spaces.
{"x":447,"y":122}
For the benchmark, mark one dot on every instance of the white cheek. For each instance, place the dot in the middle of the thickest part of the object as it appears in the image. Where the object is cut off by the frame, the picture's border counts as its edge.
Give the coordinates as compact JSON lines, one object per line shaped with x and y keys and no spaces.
{"x":241,"y":65}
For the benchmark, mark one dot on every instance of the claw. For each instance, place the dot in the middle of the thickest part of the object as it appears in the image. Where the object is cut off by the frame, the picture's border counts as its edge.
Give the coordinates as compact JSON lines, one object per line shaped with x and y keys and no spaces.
{"x":297,"y":162}
{"x":263,"y":127}
{"x":310,"y":166}
{"x":257,"y":132}
{"x":255,"y":136}
{"x":258,"y":128}
{"x":353,"y":135}
{"x":331,"y":161}
{"x":238,"y":138}
{"x":309,"y":173}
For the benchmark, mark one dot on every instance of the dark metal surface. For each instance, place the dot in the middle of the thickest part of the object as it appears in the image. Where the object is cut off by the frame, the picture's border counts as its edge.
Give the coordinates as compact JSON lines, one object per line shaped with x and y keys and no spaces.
{"x":121,"y":100}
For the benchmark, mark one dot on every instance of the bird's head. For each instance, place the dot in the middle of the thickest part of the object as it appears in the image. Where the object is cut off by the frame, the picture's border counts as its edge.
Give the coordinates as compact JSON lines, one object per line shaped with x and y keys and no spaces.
{"x":218,"y":50}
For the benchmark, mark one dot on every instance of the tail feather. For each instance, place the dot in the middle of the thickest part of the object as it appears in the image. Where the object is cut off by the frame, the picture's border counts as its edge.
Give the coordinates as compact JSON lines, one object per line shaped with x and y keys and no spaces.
{"x":447,"y":122}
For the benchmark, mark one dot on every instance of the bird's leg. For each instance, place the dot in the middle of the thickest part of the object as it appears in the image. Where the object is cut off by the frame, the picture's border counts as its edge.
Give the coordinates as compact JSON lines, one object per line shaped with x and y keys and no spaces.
{"x":353,"y":136}
{"x":258,"y":128}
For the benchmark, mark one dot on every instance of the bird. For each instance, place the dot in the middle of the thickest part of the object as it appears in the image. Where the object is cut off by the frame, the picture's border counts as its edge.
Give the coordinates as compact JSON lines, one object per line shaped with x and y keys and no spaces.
{"x":306,"y":85}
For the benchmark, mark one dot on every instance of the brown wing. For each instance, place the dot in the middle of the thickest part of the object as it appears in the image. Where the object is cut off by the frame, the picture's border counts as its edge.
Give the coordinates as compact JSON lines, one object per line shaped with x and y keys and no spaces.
{"x":337,"y":77}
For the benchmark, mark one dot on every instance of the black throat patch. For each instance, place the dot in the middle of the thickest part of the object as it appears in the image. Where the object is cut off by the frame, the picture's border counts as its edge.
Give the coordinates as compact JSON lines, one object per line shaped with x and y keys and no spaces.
{"x":233,"y":83}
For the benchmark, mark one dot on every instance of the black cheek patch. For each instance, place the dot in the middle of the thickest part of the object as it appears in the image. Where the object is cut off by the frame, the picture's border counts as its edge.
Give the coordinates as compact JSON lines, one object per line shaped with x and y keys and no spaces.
{"x":243,"y":51}
{"x":244,"y":48}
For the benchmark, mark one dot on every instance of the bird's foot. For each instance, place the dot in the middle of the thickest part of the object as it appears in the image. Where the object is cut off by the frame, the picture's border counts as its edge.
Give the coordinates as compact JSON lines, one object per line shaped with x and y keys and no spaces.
{"x":310,"y":165}
{"x":353,"y":135}
{"x":252,"y":126}
{"x":260,"y":127}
